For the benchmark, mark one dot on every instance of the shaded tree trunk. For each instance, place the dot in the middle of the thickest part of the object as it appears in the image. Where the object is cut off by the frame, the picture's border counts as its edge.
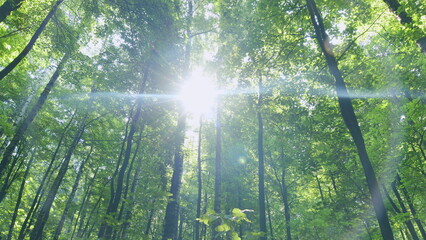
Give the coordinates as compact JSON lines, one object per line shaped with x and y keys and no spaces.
{"x":172,"y":210}
{"x":261,"y":166}
{"x":218,"y":172}
{"x":268,"y":207}
{"x":404,"y":210}
{"x":107,"y":229}
{"x":350,"y":119}
{"x":171,"y":219}
{"x":4,"y":72}
{"x":286,"y":205}
{"x":320,"y":190}
{"x":407,"y":222}
{"x":200,"y":182}
{"x":8,"y":7}
{"x":20,"y":193}
{"x":71,"y":197}
{"x":20,"y":131}
{"x":37,"y":232}
{"x":411,"y":206}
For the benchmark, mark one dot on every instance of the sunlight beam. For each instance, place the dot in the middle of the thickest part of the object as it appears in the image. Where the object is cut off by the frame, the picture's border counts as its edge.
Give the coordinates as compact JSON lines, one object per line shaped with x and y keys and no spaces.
{"x":198,"y":94}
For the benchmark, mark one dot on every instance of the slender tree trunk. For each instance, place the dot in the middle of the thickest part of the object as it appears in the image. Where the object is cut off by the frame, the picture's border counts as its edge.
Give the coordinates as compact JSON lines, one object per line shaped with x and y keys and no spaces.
{"x":46,"y":175}
{"x":79,"y":222}
{"x":4,"y":72}
{"x":286,"y":205}
{"x":411,"y":206}
{"x":218,"y":172}
{"x":85,"y":230}
{"x":20,"y":193}
{"x":113,"y":206}
{"x":349,"y":117}
{"x":170,"y":230}
{"x":128,"y":214}
{"x":320,"y":190}
{"x":8,"y":7}
{"x":261,"y":166}
{"x":20,"y":131}
{"x":71,"y":197}
{"x":406,"y":20}
{"x":404,"y":210}
{"x":407,"y":222}
{"x":268,"y":207}
{"x":200,"y":182}
{"x":9,"y":178}
{"x":181,"y":221}
{"x":37,"y":232}
{"x":172,"y":209}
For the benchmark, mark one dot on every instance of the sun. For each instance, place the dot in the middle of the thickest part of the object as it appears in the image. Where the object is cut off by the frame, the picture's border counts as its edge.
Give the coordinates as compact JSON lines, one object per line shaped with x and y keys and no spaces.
{"x":198,"y":93}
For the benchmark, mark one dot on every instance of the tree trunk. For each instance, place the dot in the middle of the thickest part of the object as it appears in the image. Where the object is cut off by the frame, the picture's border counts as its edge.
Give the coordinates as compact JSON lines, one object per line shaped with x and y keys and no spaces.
{"x":218,"y":172}
{"x":172,"y":210}
{"x":113,"y":206}
{"x":71,"y":197}
{"x":200,"y":182}
{"x":404,"y":210}
{"x":46,"y":175}
{"x":37,"y":232}
{"x":4,"y":72}
{"x":170,"y":230}
{"x":286,"y":205}
{"x":349,"y":117}
{"x":411,"y":206}
{"x":320,"y":190}
{"x":261,"y":166}
{"x":20,"y":193}
{"x":8,"y":7}
{"x":407,"y":222}
{"x":79,"y":222}
{"x":406,"y":20}
{"x":20,"y":131}
{"x":268,"y":207}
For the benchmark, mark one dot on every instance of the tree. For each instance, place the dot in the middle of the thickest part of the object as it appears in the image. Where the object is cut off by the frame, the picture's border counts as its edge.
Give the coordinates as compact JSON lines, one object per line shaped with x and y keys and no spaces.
{"x":348,"y":114}
{"x":5,"y":71}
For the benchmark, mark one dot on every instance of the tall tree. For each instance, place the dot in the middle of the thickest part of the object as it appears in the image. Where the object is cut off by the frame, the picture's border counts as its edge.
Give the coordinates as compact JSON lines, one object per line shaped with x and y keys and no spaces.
{"x":350,"y":119}
{"x":20,"y":131}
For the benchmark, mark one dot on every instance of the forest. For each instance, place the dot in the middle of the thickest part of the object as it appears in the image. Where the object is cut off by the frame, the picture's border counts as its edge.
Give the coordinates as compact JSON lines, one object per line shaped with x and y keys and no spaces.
{"x":213,"y":119}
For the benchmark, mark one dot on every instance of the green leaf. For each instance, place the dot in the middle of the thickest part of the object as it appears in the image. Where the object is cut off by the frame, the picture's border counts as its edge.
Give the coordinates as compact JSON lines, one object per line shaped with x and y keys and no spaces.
{"x":223,"y":228}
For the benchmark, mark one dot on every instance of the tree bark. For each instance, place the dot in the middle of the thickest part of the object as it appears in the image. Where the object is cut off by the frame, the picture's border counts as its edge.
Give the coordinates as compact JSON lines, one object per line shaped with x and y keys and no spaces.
{"x":20,"y":131}
{"x":261,"y":166}
{"x":350,"y":119}
{"x":4,"y":72}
